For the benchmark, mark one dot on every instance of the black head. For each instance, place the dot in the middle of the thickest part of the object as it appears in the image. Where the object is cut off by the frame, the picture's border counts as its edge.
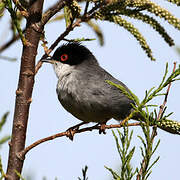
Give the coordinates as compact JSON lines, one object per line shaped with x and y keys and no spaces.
{"x":72,"y":53}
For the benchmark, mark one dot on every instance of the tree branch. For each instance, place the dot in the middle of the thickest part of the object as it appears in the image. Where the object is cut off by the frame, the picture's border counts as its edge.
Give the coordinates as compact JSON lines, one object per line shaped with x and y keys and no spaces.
{"x":24,"y":90}
{"x":154,"y":131}
{"x":46,"y":16}
{"x":56,"y":42}
{"x":86,"y":16}
{"x":10,"y":42}
{"x":52,"y":11}
{"x":165,"y":98}
{"x":71,"y":133}
{"x":161,"y":109}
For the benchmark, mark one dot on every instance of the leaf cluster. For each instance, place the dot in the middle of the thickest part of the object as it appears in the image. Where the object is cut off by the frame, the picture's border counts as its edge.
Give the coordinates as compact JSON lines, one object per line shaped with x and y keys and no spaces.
{"x":141,"y":112}
{"x":16,"y":18}
{"x":123,"y":142}
{"x":115,"y":11}
{"x":123,"y":147}
{"x":147,"y":151}
{"x":3,"y":140}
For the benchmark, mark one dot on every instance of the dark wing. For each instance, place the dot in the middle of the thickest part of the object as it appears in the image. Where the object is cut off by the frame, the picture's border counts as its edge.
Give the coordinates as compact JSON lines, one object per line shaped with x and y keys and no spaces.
{"x":102,"y":96}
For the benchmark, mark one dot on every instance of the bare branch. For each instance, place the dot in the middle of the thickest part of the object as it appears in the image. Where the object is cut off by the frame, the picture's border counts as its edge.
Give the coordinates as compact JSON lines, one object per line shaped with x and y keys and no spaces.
{"x":22,"y":154}
{"x":56,"y":42}
{"x":84,"y":18}
{"x":24,"y":91}
{"x":52,"y":11}
{"x":7,"y":44}
{"x":45,"y":18}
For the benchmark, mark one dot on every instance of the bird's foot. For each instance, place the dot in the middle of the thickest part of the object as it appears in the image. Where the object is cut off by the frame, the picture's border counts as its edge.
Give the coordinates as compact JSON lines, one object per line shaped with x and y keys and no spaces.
{"x":102,"y":128}
{"x":71,"y":131}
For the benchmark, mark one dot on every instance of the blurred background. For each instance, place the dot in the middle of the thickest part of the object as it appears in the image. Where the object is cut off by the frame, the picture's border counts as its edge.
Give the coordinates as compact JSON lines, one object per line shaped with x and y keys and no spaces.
{"x":121,"y":56}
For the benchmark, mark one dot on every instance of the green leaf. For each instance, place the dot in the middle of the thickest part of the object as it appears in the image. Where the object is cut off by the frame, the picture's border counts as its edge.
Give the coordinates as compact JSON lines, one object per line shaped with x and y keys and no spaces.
{"x":3,"y":120}
{"x":114,"y":174}
{"x":134,"y":31}
{"x":19,"y":175}
{"x":1,"y":169}
{"x":4,"y":139}
{"x":67,"y":15}
{"x":150,"y":167}
{"x":126,"y":92}
{"x":2,"y":6}
{"x":97,"y":31}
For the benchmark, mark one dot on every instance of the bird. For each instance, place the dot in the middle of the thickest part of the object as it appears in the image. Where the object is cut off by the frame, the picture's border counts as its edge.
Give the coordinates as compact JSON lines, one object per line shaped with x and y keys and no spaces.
{"x":82,"y":87}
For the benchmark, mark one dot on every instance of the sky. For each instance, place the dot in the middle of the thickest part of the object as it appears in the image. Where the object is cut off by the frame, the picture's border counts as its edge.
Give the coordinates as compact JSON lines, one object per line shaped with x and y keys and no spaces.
{"x":124,"y":59}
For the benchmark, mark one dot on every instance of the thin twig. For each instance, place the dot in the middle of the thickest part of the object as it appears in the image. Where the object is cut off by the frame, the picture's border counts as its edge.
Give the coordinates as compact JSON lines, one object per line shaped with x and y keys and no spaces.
{"x":161,"y":108}
{"x":46,"y":17}
{"x":56,"y":42}
{"x":72,"y":133}
{"x":52,"y":11}
{"x":165,"y":98}
{"x":154,"y":131}
{"x":99,"y":5}
{"x":22,"y":9}
{"x":84,"y":18}
{"x":8,"y":58}
{"x":10,"y":42}
{"x":86,"y":7}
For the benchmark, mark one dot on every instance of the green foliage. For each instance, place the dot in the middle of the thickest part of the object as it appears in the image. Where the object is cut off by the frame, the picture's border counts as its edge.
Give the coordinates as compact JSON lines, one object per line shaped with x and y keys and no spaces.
{"x":1,"y":170}
{"x":177,"y":2}
{"x":147,"y":150}
{"x":154,"y":92}
{"x":153,"y":23}
{"x":128,"y":93}
{"x":116,"y":8}
{"x":84,"y":173}
{"x":134,"y":31}
{"x":19,"y":175}
{"x":2,"y":141}
{"x":2,"y":6}
{"x":97,"y":31}
{"x":15,"y":19}
{"x":8,"y":58}
{"x":79,"y":39}
{"x":116,"y":11}
{"x":141,"y":115}
{"x":2,"y":123}
{"x":123,"y":141}
{"x":71,"y":11}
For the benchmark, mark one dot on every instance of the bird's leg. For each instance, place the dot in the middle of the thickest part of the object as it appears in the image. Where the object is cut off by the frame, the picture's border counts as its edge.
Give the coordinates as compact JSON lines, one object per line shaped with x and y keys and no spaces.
{"x":102,"y":127}
{"x":77,"y":126}
{"x":70,"y":133}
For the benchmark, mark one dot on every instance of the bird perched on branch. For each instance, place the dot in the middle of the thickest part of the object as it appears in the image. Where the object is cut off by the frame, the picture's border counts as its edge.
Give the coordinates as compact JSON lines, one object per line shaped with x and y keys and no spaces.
{"x":82,"y":88}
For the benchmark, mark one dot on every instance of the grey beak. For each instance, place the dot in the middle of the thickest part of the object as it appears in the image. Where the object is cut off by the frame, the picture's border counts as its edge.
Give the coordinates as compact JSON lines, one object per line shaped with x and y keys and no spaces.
{"x":48,"y":60}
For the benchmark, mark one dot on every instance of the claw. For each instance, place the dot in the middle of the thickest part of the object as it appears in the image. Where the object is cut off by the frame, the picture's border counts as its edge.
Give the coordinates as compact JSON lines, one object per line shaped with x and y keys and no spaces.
{"x":71,"y":131}
{"x":70,"y":134}
{"x":102,"y":128}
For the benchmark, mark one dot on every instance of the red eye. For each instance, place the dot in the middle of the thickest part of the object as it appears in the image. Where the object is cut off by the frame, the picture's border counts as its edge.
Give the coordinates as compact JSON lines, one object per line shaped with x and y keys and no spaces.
{"x":64,"y":57}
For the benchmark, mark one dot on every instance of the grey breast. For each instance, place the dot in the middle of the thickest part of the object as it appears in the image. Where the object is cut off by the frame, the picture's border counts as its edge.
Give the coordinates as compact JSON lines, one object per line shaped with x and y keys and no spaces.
{"x":86,"y":95}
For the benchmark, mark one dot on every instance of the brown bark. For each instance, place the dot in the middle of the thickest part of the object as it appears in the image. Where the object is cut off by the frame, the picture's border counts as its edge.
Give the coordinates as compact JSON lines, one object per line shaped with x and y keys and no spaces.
{"x":24,"y":90}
